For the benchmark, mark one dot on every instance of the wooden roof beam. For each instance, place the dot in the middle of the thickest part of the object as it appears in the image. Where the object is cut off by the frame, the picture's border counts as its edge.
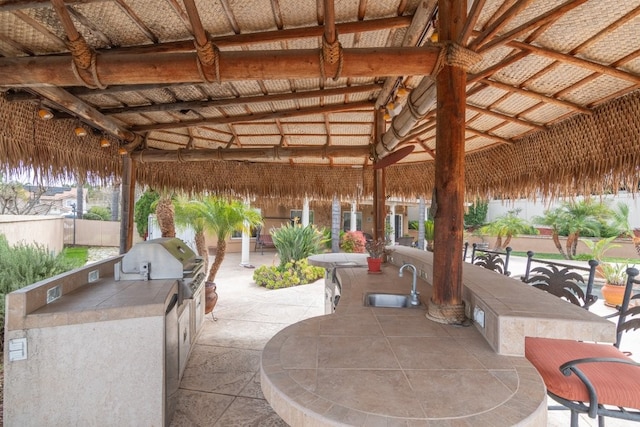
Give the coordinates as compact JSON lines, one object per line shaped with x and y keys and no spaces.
{"x":366,"y":105}
{"x":233,"y":65}
{"x":541,"y":20}
{"x":498,"y":24}
{"x":536,"y":95}
{"x":189,"y":105}
{"x":137,"y":21}
{"x":8,"y":5}
{"x":488,"y":135}
{"x":239,"y":40}
{"x":247,"y":154}
{"x":583,"y":63}
{"x":504,"y":117}
{"x":413,"y":37}
{"x":80,"y":109}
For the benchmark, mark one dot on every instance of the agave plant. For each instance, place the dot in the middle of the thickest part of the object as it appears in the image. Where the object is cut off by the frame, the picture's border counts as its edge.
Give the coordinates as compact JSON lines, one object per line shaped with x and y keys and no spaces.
{"x":295,"y":242}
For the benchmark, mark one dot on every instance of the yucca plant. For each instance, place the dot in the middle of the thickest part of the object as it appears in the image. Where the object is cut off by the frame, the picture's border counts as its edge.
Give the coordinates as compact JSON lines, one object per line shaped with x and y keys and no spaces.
{"x":295,"y":242}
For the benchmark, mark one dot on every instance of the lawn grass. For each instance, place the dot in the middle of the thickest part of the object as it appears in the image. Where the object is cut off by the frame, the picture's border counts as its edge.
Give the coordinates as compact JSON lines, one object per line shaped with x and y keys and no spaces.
{"x":76,"y":254}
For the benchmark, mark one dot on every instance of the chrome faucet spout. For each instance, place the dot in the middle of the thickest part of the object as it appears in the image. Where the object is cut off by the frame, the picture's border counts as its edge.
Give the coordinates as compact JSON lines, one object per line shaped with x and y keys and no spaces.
{"x":414,"y":300}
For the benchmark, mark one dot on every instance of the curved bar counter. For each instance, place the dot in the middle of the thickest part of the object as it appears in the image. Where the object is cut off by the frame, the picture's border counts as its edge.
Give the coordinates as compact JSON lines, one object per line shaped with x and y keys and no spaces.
{"x":369,"y":366}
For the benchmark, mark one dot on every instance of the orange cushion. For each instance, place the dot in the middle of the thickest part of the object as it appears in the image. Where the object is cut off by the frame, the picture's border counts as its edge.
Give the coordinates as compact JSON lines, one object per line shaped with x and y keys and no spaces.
{"x":615,"y":384}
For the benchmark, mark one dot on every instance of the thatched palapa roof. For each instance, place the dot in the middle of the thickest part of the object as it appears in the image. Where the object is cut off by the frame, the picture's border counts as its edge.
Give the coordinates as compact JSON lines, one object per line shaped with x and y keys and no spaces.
{"x":270,"y":104}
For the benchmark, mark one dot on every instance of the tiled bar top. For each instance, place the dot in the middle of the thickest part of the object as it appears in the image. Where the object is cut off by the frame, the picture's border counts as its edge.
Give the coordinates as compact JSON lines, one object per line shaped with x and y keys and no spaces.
{"x":367,"y":366}
{"x":82,"y":302}
{"x":513,"y":310}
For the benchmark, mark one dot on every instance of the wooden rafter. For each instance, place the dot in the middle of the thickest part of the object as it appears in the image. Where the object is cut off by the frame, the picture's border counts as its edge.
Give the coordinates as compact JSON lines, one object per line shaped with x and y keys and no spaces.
{"x":472,"y":18}
{"x":498,"y":24}
{"x":95,"y":32}
{"x":504,"y":117}
{"x":538,"y":96}
{"x":188,"y":105}
{"x":541,"y":20}
{"x":579,"y":62}
{"x":80,"y":109}
{"x":488,"y":135}
{"x":137,"y":21}
{"x":255,"y":117}
{"x":40,"y":28}
{"x":241,"y":154}
{"x":239,"y":40}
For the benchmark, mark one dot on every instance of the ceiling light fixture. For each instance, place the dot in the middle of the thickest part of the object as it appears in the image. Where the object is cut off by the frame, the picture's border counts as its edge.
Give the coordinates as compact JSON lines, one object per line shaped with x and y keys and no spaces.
{"x":122,"y":151}
{"x":80,"y":131}
{"x":104,"y":143}
{"x":45,"y":113}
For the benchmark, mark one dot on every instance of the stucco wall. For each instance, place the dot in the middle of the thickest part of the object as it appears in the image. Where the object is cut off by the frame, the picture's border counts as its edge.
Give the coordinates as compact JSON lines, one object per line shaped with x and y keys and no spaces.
{"x":30,"y":229}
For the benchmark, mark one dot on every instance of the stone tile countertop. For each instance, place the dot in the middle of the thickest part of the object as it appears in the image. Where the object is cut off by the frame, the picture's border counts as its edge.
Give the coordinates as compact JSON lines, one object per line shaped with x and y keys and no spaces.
{"x":370,"y":366}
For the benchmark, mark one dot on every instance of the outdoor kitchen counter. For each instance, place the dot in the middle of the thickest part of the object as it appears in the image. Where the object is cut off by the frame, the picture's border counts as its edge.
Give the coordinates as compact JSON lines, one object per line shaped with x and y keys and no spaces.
{"x":106,"y":299}
{"x":369,"y":366}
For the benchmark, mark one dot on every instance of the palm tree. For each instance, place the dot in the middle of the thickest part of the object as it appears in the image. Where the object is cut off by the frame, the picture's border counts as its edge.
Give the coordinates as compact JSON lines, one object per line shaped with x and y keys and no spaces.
{"x":582,"y":217}
{"x":165,"y":215}
{"x":553,"y":218}
{"x":222,"y":217}
{"x":620,"y":221}
{"x":507,"y":226}
{"x":187,"y":214}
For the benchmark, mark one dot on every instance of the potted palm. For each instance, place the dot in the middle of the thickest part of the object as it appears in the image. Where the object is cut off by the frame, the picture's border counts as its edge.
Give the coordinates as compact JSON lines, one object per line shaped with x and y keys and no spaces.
{"x":429,"y":233}
{"x":375,"y":248}
{"x":221,"y":217}
{"x":615,"y":276}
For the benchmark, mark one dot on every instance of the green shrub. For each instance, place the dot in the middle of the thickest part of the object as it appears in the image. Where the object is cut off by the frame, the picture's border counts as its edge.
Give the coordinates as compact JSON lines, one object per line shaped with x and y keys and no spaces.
{"x":292,"y":273}
{"x":23,"y":264}
{"x":295,"y":242}
{"x":353,"y":242}
{"x":141,"y":211}
{"x":98,"y":213}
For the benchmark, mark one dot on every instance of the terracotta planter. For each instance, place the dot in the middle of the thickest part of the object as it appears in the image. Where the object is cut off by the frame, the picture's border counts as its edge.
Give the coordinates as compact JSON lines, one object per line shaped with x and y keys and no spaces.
{"x":374,"y":264}
{"x":211,"y":296}
{"x":612,"y":294}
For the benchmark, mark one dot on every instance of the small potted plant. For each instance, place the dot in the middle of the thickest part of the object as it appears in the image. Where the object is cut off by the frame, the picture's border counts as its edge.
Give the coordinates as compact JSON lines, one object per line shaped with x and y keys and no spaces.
{"x":376,"y":251}
{"x":615,"y":276}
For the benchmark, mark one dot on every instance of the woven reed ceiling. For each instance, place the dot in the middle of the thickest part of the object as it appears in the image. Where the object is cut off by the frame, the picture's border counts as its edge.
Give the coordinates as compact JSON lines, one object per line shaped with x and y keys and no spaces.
{"x":263,"y":92}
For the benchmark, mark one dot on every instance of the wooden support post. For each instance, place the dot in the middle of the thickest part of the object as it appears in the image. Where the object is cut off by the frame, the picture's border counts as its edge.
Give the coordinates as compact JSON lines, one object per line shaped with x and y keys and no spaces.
{"x":446,"y":304}
{"x":379,"y":208}
{"x":128,"y":200}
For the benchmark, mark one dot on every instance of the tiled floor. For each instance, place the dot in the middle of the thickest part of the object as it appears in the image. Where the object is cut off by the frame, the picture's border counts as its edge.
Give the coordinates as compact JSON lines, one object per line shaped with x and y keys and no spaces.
{"x":221,"y":384}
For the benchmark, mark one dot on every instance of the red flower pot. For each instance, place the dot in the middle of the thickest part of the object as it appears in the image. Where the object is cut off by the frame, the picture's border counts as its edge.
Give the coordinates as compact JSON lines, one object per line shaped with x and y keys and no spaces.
{"x":374,"y":264}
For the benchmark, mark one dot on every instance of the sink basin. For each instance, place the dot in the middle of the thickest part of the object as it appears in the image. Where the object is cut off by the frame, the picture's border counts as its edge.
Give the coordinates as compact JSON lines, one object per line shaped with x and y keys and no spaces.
{"x":388,"y":300}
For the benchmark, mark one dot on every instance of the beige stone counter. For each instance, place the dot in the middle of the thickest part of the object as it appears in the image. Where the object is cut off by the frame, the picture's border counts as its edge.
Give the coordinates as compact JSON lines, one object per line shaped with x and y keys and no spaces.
{"x":82,"y":302}
{"x":367,"y":366}
{"x":513,"y":310}
{"x":381,"y":366}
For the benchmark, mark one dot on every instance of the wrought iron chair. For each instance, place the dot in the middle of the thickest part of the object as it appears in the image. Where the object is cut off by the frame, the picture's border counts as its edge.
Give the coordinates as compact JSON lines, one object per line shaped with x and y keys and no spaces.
{"x":562,"y":280}
{"x":596,"y":379}
{"x":263,"y":241}
{"x":492,"y":260}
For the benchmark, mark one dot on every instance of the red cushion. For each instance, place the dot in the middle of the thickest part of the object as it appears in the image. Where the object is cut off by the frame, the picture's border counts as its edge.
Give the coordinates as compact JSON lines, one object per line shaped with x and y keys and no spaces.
{"x":615,"y":384}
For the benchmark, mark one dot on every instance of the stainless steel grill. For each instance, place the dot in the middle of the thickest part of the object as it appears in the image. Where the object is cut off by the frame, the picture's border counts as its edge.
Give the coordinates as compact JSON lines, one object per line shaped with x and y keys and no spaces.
{"x":164,"y":258}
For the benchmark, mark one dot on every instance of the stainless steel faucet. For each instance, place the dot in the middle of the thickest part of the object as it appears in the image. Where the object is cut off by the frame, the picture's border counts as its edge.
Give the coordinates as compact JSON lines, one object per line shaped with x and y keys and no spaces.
{"x":413,"y":296}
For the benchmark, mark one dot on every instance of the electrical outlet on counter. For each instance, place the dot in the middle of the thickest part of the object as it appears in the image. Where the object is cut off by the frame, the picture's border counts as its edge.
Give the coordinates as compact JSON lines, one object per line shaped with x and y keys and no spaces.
{"x":478,"y":316}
